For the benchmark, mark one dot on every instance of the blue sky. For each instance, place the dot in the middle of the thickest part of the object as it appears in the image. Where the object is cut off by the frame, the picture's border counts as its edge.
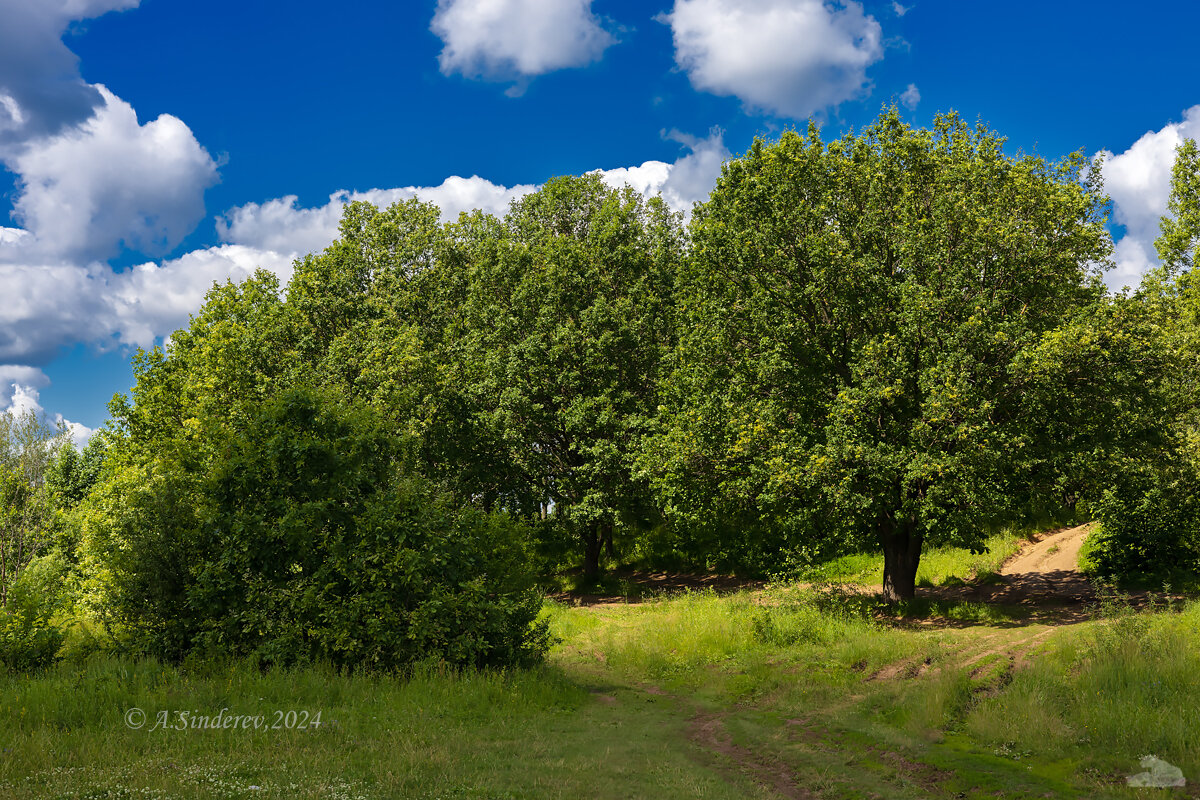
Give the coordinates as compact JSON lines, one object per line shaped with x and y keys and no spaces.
{"x":150,"y":148}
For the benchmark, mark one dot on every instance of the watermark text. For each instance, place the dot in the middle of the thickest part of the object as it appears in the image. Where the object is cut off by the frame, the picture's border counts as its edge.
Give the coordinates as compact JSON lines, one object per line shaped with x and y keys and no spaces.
{"x":223,"y":720}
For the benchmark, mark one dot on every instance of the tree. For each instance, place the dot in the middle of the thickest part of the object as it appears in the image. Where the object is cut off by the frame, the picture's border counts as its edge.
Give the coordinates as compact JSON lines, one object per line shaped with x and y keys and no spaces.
{"x":27,"y":447}
{"x":566,"y":314}
{"x":1179,"y":241}
{"x":72,"y":473}
{"x":850,"y":320}
{"x":1149,"y":516}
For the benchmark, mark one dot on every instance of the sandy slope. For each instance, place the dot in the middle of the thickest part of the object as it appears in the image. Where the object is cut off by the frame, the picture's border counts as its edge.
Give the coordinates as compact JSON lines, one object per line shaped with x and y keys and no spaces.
{"x":1046,"y":568}
{"x":1056,"y":553}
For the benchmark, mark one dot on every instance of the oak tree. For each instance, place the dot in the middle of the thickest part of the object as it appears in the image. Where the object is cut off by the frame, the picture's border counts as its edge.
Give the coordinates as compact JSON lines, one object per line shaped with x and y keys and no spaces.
{"x":850,"y":321}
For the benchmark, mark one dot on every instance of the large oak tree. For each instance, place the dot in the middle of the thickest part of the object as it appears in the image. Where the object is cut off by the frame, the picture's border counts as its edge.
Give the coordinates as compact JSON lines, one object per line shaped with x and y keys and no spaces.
{"x":854,"y":319}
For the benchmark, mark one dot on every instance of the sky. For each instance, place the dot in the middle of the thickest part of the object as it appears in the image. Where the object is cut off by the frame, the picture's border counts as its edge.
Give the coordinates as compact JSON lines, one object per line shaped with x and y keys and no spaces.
{"x":151,"y":147}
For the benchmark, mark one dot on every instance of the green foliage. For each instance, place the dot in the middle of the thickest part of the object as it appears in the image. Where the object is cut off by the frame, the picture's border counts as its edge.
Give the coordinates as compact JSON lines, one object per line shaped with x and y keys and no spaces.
{"x":29,"y":634}
{"x":296,"y":539}
{"x":894,"y":341}
{"x":1099,"y":403}
{"x":1149,"y":529}
{"x":850,"y":325}
{"x":72,"y":474}
{"x":566,"y":313}
{"x":27,"y":510}
{"x":1179,"y":242}
{"x":1150,"y":520}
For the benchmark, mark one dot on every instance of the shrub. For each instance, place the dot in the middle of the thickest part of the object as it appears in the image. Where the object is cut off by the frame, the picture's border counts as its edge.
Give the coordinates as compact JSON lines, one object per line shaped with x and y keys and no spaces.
{"x":29,"y":637}
{"x":299,"y":538}
{"x":1149,"y":530}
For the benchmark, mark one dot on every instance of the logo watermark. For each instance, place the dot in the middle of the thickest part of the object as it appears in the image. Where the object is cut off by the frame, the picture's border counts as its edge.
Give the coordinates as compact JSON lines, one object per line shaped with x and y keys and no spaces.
{"x":194,"y":720}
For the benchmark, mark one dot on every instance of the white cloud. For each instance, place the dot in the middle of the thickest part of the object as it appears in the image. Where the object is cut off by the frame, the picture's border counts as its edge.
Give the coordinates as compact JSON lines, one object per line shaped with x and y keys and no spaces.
{"x":41,"y":91}
{"x":14,"y":375}
{"x":12,"y":236}
{"x":787,"y":57}
{"x":899,"y":9}
{"x":910,"y":97}
{"x":1139,"y":183}
{"x":286,"y":229}
{"x":517,"y":39}
{"x":25,"y":399}
{"x":153,"y":300}
{"x":91,"y":180}
{"x":110,"y":181}
{"x":84,"y":191}
{"x":60,"y":304}
{"x":687,"y":181}
{"x":281,"y":226}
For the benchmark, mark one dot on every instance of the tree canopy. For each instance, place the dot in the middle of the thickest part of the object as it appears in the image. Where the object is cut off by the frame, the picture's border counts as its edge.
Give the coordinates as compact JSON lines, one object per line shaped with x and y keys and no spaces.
{"x":853,"y":321}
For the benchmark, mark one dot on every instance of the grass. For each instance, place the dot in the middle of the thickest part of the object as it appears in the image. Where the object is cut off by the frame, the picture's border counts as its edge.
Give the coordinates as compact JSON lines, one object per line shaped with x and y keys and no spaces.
{"x":434,"y":735}
{"x":783,"y":692}
{"x":1125,"y":686}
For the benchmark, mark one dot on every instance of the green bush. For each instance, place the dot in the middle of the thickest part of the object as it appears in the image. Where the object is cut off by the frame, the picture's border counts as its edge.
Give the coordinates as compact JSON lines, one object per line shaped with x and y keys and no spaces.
{"x":1149,"y":531}
{"x":29,"y":635}
{"x":300,"y":539}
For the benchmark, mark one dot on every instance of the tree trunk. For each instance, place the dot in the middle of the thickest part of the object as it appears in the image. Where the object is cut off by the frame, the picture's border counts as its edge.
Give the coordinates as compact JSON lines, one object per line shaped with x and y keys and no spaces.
{"x":591,"y":551}
{"x":609,"y":549}
{"x":901,"y":556}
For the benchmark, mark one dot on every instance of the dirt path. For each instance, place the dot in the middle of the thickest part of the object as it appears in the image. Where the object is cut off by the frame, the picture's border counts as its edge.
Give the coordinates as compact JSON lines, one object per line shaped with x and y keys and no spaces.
{"x":1057,"y":552}
{"x":1045,"y":569}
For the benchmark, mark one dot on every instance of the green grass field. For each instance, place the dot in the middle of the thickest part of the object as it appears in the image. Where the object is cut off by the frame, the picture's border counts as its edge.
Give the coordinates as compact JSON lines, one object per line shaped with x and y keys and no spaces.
{"x":783,"y":692}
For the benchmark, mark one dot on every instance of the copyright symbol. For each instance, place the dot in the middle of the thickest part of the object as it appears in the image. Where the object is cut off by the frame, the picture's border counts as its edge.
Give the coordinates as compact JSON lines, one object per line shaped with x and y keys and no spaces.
{"x":135,"y":718}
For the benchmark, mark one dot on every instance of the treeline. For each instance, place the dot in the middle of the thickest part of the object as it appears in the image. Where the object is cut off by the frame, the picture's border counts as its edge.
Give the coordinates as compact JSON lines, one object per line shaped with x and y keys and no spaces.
{"x":895,"y":339}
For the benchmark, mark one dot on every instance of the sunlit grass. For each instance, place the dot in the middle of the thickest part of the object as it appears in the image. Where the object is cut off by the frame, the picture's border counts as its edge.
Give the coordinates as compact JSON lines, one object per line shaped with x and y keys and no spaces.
{"x":1111,"y":692}
{"x":433,"y":734}
{"x":855,"y":701}
{"x":740,"y":643}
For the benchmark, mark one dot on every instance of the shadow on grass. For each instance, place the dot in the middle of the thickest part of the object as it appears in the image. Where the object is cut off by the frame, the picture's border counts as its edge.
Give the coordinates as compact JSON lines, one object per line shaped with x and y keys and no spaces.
{"x":633,"y":586}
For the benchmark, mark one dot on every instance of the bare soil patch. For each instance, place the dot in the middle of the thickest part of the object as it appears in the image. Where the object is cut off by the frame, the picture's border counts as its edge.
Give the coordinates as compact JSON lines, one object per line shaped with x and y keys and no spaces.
{"x":1044,"y":574}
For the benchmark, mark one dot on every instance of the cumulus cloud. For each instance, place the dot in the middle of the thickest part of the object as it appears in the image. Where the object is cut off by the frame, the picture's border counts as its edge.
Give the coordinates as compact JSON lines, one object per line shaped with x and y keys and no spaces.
{"x":41,"y":91}
{"x":82,"y":194}
{"x":14,"y":375}
{"x":280,"y":225}
{"x":1139,"y":183}
{"x":786,"y":57}
{"x":86,"y":190}
{"x":61,"y":304}
{"x":108,"y":182}
{"x":910,"y":97}
{"x":91,"y":180}
{"x":283,"y":228}
{"x":517,"y":39}
{"x":24,"y":399}
{"x":687,"y":181}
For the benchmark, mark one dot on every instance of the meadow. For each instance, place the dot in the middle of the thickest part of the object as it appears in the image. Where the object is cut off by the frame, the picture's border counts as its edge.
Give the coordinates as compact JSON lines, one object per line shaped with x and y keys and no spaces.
{"x":783,"y":691}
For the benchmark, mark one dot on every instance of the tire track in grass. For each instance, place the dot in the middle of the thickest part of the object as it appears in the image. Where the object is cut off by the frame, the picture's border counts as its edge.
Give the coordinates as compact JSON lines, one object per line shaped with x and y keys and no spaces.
{"x":707,"y":729}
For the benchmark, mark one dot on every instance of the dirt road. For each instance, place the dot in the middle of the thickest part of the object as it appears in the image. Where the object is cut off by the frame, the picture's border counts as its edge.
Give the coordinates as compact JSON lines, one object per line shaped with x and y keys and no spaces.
{"x":1045,"y":569}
